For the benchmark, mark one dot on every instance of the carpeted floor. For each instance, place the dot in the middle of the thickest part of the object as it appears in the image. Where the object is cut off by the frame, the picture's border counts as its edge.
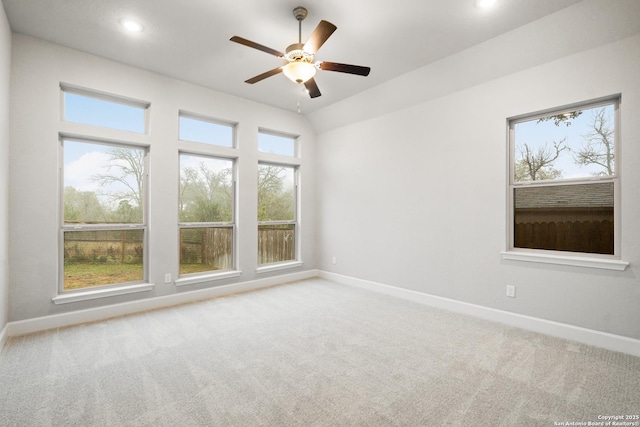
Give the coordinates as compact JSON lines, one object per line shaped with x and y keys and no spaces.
{"x":312,"y":353}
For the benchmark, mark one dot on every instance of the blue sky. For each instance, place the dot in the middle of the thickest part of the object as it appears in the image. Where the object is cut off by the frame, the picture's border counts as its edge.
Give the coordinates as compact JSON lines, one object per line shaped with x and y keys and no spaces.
{"x":83,"y":161}
{"x":536,"y":135}
{"x":98,"y":112}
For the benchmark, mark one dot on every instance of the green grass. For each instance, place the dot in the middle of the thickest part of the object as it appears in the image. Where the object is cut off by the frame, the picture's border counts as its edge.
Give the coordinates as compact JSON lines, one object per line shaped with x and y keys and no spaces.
{"x":195,"y":268}
{"x":86,"y":275}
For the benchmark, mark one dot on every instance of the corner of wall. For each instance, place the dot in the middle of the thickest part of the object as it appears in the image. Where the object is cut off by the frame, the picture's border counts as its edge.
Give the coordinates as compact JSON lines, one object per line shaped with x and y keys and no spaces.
{"x":5,"y":81}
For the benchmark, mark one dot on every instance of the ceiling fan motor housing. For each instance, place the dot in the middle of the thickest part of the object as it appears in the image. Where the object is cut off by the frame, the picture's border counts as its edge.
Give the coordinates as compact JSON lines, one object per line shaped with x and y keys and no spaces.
{"x":296,"y":53}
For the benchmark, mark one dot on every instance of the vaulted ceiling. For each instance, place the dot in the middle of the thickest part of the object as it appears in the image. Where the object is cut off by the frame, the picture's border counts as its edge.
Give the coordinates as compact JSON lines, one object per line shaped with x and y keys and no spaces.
{"x":189,"y":40}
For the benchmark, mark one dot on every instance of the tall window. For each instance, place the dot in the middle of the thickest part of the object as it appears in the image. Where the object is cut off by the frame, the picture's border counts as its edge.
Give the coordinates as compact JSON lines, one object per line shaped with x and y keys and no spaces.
{"x":277,"y":216}
{"x":564,"y":179}
{"x":104,"y":226}
{"x":207,"y":197}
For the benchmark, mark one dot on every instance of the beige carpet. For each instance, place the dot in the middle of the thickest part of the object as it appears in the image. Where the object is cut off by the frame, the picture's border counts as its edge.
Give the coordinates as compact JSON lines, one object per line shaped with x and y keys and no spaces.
{"x":312,"y":353}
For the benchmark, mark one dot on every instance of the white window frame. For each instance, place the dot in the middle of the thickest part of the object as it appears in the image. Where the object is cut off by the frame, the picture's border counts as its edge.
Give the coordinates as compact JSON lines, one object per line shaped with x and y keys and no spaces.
{"x":103,"y":135}
{"x":294,"y":138}
{"x":92,"y":292}
{"x":215,"y":121}
{"x":192,"y":278}
{"x":108,"y":97}
{"x":214,"y":151}
{"x":296,"y":262}
{"x":603,"y":261}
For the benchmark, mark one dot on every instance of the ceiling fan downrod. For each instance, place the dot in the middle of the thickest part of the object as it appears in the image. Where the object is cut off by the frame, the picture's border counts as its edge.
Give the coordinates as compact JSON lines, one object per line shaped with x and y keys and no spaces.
{"x":300,"y":13}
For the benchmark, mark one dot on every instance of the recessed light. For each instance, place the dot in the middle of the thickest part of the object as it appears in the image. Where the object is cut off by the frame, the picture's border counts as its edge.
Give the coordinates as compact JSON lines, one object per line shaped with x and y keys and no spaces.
{"x":485,"y":4}
{"x":131,"y":25}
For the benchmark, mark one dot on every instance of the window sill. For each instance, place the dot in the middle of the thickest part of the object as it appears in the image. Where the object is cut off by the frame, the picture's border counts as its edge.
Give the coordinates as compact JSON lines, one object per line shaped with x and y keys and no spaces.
{"x":576,"y":261}
{"x":280,"y":266}
{"x":191,"y":280}
{"x":101,"y":293}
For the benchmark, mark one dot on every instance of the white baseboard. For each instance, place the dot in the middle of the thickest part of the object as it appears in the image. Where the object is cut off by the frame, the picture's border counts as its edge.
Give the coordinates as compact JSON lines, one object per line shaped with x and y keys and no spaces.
{"x":574,"y":333}
{"x":561,"y":330}
{"x":4,"y":336}
{"x":37,"y":324}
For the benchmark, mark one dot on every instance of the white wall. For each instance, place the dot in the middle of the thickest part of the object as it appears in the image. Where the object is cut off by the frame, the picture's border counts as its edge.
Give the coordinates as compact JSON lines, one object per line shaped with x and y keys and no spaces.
{"x":5,"y":79}
{"x":38,"y":67}
{"x":417,"y":197}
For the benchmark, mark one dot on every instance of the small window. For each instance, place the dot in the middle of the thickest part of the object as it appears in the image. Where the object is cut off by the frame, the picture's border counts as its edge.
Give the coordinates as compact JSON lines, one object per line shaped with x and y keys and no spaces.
{"x":103,"y":228}
{"x":276,"y":144}
{"x":207,"y":198}
{"x":564,"y":178}
{"x":277,"y":217}
{"x":206,"y":131}
{"x":104,"y":111}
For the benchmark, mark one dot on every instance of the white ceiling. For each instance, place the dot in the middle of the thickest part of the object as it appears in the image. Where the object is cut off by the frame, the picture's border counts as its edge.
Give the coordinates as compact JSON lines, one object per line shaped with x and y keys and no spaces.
{"x":189,"y":39}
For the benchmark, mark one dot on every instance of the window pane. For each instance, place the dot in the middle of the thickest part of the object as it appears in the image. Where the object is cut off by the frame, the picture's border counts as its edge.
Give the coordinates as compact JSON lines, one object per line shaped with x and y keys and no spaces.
{"x":575,"y":144}
{"x":99,"y":112}
{"x":102,"y":183}
{"x":275,"y":144}
{"x":276,"y":198}
{"x":576,"y":218}
{"x":276,"y":243}
{"x":95,"y":258}
{"x":205,"y":249}
{"x":206,"y":132}
{"x":206,"y":189}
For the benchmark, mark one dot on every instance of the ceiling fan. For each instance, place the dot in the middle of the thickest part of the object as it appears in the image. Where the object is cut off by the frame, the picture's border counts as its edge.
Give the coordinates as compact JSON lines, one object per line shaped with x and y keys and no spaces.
{"x":300,"y":67}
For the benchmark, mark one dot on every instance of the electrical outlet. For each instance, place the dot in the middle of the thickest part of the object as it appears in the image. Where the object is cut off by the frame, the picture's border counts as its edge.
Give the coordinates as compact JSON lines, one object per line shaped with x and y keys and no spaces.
{"x":167,"y":278}
{"x":334,"y":260}
{"x":511,"y":291}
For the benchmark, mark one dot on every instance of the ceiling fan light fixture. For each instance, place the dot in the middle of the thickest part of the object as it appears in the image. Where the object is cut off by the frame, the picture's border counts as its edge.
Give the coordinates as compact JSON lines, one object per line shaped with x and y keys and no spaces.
{"x":299,"y":71}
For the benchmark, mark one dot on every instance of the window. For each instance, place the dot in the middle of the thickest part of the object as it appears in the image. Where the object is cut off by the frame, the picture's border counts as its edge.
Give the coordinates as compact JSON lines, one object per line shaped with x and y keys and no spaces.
{"x":277,"y":216}
{"x":207,"y":197}
{"x":564,"y":178}
{"x":275,"y":143}
{"x":103,"y":110}
{"x":104,"y":226}
{"x":207,"y":131}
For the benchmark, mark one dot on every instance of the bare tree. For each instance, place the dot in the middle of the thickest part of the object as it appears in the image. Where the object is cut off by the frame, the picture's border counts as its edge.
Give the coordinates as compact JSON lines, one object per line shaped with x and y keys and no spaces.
{"x":205,"y":194}
{"x":126,"y":168}
{"x":561,"y":118}
{"x":598,"y":148}
{"x":274,"y":201}
{"x":538,"y":165}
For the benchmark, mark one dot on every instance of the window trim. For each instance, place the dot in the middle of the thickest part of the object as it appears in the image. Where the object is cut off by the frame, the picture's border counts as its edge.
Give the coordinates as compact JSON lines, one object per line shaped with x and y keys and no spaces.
{"x":297,"y":261}
{"x":110,"y":289}
{"x":104,"y":96}
{"x":294,"y":137}
{"x":203,"y":276}
{"x":580,"y":259}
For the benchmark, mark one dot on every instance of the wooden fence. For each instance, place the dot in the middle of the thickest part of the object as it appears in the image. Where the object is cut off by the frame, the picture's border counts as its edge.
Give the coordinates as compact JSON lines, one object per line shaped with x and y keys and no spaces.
{"x":123,"y":246}
{"x":207,"y":246}
{"x":276,"y":244}
{"x":575,"y":236}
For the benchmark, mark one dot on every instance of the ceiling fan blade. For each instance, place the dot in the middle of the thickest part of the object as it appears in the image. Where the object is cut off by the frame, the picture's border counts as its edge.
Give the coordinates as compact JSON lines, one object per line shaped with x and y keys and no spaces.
{"x":320,"y":35}
{"x":345,"y":68}
{"x":256,"y":46}
{"x":263,"y":76}
{"x":312,"y":87}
